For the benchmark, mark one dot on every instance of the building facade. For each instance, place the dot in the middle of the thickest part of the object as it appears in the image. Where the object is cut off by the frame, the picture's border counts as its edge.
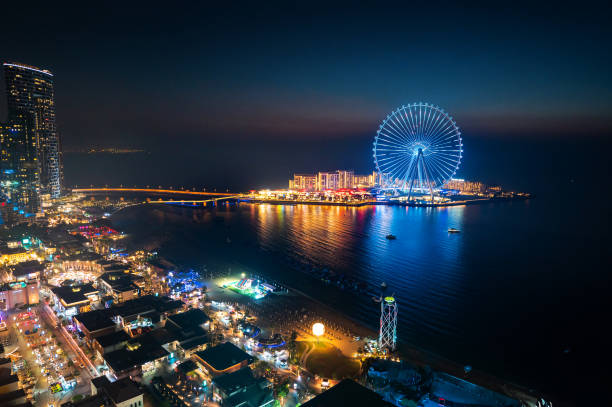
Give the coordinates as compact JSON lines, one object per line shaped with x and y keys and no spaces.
{"x":461,"y":185}
{"x":333,"y":180}
{"x":19,"y":167}
{"x":31,"y":116}
{"x":307,"y":182}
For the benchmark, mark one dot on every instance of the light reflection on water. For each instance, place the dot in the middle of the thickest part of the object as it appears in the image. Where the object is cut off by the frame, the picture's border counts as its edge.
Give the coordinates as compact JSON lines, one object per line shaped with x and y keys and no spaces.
{"x":422,"y":263}
{"x":477,"y":296}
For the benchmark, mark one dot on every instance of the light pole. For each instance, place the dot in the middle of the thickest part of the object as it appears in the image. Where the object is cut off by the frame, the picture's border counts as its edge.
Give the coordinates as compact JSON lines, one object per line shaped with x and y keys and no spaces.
{"x":318,"y":330}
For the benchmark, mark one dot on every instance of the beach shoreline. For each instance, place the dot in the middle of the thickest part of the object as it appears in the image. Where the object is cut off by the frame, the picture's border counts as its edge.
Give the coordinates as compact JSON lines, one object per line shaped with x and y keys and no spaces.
{"x":406,"y":351}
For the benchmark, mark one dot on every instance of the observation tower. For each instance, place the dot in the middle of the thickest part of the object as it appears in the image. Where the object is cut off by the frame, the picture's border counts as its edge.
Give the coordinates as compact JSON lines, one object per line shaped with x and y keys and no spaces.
{"x":388,"y":324}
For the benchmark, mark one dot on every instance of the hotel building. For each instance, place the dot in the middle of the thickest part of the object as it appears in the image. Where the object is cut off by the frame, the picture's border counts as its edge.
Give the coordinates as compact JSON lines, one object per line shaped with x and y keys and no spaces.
{"x":33,"y":155}
{"x":340,"y":179}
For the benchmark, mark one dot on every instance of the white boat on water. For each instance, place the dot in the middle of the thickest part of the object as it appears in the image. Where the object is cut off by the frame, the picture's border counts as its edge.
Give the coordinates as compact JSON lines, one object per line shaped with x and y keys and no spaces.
{"x":453,"y":230}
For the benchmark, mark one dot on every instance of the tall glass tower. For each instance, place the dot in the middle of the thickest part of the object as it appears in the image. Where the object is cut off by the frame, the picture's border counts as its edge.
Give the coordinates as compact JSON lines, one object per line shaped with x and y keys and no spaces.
{"x":31,"y":103}
{"x":19,"y":169}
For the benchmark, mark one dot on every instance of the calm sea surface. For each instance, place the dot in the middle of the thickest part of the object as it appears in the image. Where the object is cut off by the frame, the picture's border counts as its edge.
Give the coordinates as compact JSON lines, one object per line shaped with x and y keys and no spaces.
{"x":522,"y":292}
{"x":508,"y":294}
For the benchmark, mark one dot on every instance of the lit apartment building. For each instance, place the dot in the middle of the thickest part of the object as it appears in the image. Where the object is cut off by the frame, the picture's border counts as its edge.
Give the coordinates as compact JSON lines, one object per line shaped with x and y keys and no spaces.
{"x":345,"y":179}
{"x":327,"y":180}
{"x":31,"y":103}
{"x":307,"y":182}
{"x":465,"y":186}
{"x":366,"y":181}
{"x":340,"y":179}
{"x":19,"y":169}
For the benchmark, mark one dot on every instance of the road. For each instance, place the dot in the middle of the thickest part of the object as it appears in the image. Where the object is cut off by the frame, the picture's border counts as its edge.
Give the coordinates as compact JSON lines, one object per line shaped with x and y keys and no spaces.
{"x":68,"y":341}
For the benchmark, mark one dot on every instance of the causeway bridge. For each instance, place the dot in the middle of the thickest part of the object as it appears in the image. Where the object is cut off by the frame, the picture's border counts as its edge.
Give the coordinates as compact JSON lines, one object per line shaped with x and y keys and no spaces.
{"x":167,"y":196}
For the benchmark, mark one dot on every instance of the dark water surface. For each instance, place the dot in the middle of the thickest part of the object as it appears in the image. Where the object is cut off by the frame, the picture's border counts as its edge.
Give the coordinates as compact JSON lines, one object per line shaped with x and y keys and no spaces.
{"x":508,"y":294}
{"x":523,"y":282}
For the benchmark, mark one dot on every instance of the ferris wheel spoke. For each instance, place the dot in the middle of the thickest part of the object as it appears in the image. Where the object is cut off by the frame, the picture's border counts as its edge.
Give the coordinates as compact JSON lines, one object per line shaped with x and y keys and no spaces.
{"x":447,"y":161}
{"x":413,"y":121}
{"x":392,"y":137}
{"x":401,"y":170}
{"x":402,"y":114}
{"x":395,"y":169}
{"x":432,"y":118}
{"x":449,"y":154}
{"x":444,"y":171}
{"x":445,"y":133}
{"x":391,"y":129}
{"x":397,"y":125}
{"x":382,"y":145}
{"x":442,"y":131}
{"x":400,"y":123}
{"x":439,"y":123}
{"x":443,"y":149}
{"x":407,"y":121}
{"x":430,"y":123}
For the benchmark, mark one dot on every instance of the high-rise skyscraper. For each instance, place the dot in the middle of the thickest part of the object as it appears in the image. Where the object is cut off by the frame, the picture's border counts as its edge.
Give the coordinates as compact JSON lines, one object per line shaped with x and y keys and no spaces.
{"x":19,"y":169}
{"x":31,"y":104}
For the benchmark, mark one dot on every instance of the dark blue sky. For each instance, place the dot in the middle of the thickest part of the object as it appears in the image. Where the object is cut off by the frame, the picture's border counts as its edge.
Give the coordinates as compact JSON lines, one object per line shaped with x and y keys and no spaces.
{"x":137,"y":75}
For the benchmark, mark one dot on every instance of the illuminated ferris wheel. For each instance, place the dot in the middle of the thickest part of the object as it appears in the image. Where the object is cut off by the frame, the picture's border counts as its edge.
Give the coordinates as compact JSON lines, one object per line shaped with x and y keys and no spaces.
{"x":417,"y":148}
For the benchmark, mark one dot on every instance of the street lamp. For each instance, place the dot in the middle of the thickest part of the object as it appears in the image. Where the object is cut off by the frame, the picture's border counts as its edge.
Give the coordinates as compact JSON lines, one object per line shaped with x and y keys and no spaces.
{"x":318,"y":329}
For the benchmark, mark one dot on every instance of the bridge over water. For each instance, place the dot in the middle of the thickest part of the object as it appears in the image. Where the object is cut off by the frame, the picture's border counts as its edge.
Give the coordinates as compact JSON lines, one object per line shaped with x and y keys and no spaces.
{"x":157,"y":195}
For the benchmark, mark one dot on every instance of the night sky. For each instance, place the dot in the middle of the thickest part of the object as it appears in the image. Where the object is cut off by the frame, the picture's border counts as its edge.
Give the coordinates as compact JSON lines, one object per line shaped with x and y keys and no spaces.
{"x":280,"y":77}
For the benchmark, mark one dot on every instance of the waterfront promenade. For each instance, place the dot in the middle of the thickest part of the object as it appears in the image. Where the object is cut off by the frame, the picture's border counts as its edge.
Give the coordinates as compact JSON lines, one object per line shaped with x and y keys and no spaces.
{"x":296,"y":312}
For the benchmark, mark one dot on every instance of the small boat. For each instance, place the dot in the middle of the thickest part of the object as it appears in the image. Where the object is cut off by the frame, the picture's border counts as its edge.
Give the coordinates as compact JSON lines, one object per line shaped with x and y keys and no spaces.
{"x":391,"y":237}
{"x":383,"y":285}
{"x":453,"y":230}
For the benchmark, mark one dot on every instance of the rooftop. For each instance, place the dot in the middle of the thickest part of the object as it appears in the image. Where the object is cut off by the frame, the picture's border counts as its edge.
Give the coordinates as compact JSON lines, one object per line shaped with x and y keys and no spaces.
{"x":112,"y":339}
{"x":9,"y":399}
{"x":231,"y":382}
{"x":74,"y":294}
{"x":6,"y":377}
{"x":12,"y":250}
{"x":192,"y":317}
{"x":100,"y":382}
{"x":140,"y":350}
{"x":27,"y":267}
{"x":27,"y":67}
{"x":85,"y":256}
{"x":131,"y":357}
{"x":348,"y":393}
{"x":122,"y":390}
{"x":148,"y":305}
{"x":118,"y":392}
{"x":194,"y":342}
{"x":252,"y":396}
{"x":96,"y":320}
{"x":224,"y":356}
{"x":187,"y":366}
{"x":120,"y":281}
{"x":188,"y":325}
